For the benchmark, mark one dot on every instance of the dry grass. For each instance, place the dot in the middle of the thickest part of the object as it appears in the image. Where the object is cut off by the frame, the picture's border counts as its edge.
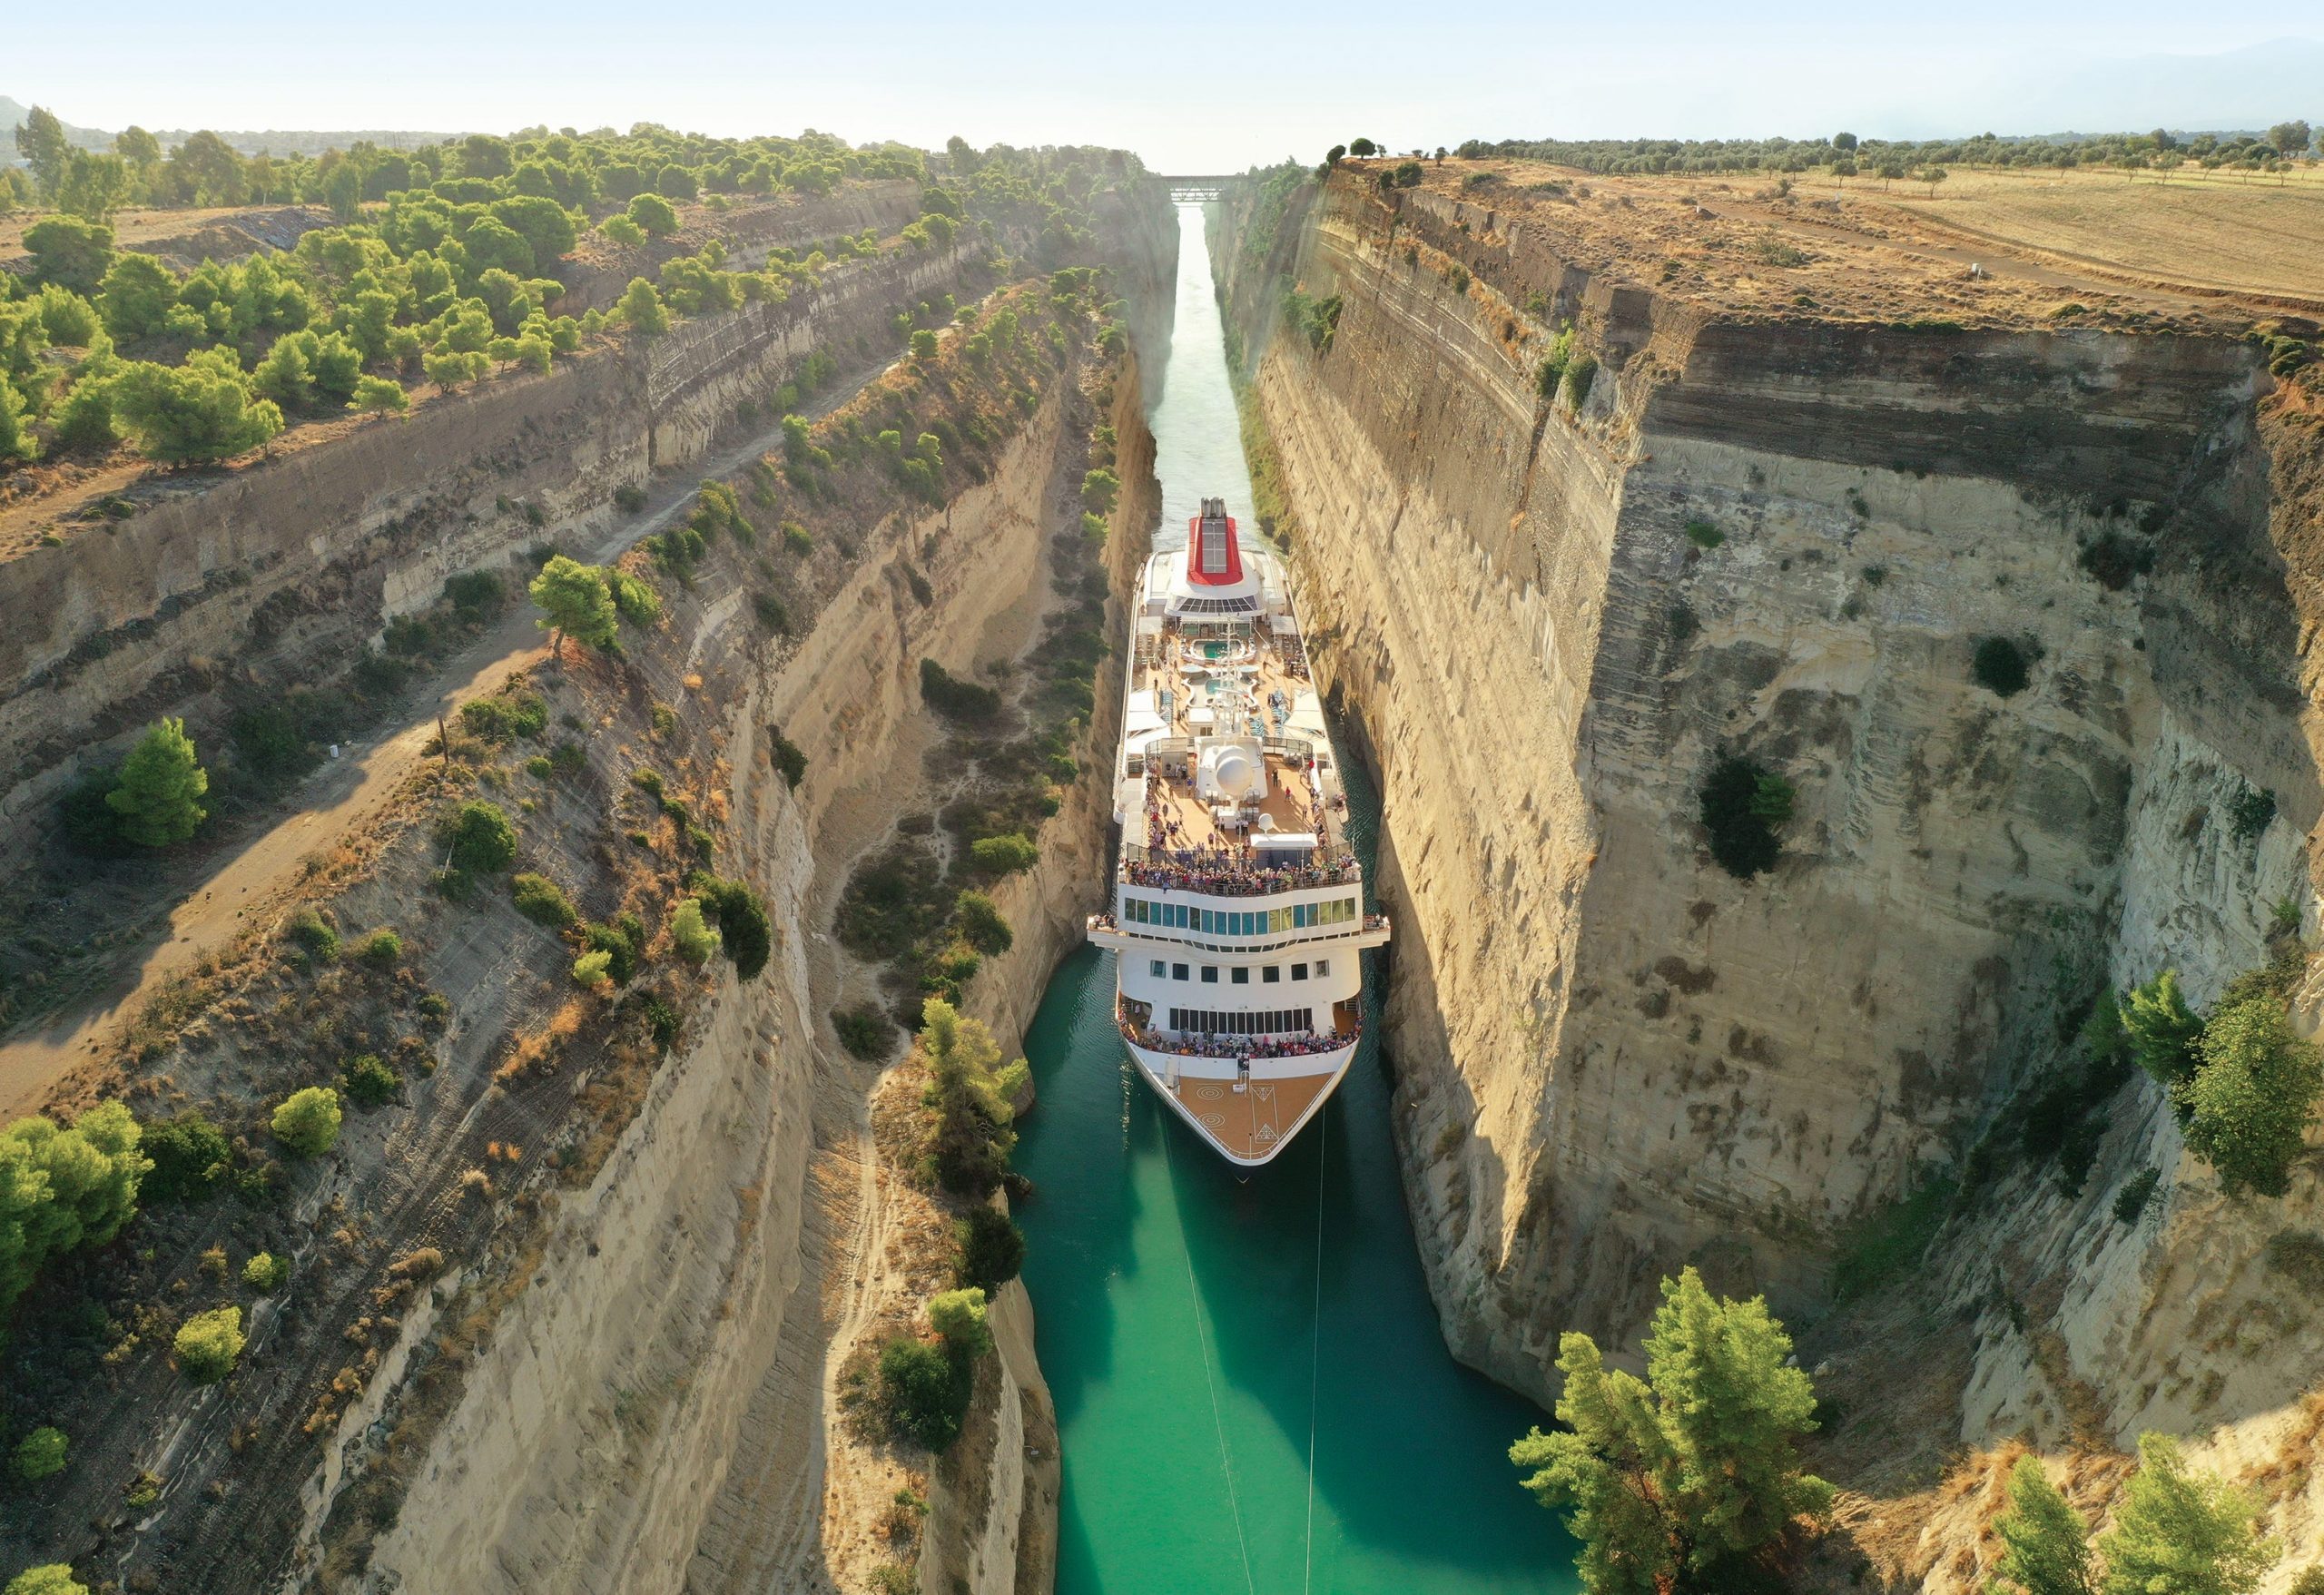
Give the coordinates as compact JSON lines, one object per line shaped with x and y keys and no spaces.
{"x":2142,"y":255}
{"x":2257,"y":236}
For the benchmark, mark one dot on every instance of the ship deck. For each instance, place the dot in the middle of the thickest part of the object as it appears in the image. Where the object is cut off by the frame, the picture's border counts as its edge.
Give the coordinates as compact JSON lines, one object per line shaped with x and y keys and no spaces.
{"x":1253,"y":1122}
{"x":1187,"y":680}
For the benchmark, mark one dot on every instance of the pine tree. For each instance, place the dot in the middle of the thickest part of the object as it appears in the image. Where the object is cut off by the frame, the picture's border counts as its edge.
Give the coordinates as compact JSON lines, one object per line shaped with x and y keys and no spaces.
{"x":2046,"y":1543}
{"x":2249,"y":1103}
{"x":576,"y":601}
{"x":159,"y":799}
{"x":2182,"y":1534}
{"x":1669,"y":1477}
{"x":2163,"y":1029}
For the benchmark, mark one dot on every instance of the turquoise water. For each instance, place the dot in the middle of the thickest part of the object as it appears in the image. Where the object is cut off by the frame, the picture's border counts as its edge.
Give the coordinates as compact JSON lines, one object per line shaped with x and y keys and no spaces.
{"x":1204,"y":1336}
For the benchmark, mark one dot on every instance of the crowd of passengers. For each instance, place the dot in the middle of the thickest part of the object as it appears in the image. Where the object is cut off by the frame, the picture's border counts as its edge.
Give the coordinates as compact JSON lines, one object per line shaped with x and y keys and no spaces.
{"x":1227,"y":873}
{"x":1219,"y":1046}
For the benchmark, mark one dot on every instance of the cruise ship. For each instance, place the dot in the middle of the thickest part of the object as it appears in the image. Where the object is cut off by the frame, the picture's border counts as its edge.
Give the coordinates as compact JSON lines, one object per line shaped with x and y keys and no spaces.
{"x":1238,"y":916}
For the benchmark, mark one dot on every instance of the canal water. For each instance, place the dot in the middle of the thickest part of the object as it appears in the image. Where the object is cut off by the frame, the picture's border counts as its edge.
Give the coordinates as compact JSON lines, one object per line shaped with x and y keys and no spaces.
{"x":1204,"y":1337}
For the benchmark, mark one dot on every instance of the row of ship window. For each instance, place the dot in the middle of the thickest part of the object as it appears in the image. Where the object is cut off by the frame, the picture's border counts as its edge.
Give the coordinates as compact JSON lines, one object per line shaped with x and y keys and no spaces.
{"x":1299,"y":916}
{"x":1269,"y":974}
{"x":1288,"y":1021}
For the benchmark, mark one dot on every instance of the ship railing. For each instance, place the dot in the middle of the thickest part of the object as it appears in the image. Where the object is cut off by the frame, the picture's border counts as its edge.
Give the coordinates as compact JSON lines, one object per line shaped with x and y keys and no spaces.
{"x":1190,"y":1044}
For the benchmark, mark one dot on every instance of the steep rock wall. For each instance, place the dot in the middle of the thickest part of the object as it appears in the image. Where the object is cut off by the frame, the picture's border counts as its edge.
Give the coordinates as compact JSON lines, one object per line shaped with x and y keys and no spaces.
{"x":653,"y":1358}
{"x":1614,"y":1058}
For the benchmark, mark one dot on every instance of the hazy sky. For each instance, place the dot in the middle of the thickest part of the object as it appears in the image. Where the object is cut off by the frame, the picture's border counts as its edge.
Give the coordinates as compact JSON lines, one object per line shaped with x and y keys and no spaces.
{"x":1191,"y":85}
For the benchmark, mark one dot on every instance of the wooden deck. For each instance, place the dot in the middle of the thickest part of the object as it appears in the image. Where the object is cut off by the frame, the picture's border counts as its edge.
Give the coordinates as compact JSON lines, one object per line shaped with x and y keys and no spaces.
{"x":1253,"y":1122}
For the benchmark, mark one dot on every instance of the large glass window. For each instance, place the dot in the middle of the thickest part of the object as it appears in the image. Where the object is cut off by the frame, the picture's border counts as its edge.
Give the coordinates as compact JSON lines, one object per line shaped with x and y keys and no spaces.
{"x":1271,"y":974}
{"x":1210,"y":974}
{"x":1178,"y":972}
{"x":1157,"y":968}
{"x":1238,"y":977}
{"x":1299,"y":972}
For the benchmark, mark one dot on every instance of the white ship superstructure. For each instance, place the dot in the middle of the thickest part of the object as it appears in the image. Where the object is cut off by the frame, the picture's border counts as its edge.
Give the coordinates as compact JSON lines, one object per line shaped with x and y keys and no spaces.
{"x":1238,"y":909}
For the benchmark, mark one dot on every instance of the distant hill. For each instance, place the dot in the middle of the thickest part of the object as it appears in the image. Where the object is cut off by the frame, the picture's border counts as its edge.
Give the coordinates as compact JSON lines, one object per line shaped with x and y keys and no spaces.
{"x":273,"y":141}
{"x":11,"y":117}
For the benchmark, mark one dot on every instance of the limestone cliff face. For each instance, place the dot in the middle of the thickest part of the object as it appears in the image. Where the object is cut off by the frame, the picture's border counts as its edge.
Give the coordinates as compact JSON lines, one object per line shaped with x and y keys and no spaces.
{"x":1782,"y":539}
{"x":651,"y":1412}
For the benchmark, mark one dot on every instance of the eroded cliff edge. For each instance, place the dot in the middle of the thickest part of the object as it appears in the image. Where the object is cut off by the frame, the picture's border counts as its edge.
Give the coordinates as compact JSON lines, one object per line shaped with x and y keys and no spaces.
{"x":1767,"y":531}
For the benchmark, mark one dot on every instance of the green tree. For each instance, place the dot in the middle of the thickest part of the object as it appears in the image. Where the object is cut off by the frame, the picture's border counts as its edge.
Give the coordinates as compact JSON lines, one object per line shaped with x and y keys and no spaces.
{"x":2178,"y":1532}
{"x":924,"y":1393}
{"x":959,"y":1316}
{"x":923,"y":345}
{"x":40,"y":1454}
{"x":1665,"y":1480}
{"x":1003,"y":855}
{"x":983,"y":924}
{"x":136,"y":296}
{"x":653,"y":215}
{"x":41,"y":141}
{"x":94,"y":186}
{"x":2164,"y":1030}
{"x":199,"y":411}
{"x":694,"y":940}
{"x":159,"y":799}
{"x":208,"y":1345}
{"x":575,"y":602}
{"x":2250,"y":1100}
{"x":477,"y":838}
{"x":190,"y":1156}
{"x":622,"y":230}
{"x":306,"y":1121}
{"x":991,"y":1247}
{"x":969,"y":1093}
{"x":2045,"y":1545}
{"x":16,"y":440}
{"x":70,"y":252}
{"x":55,"y":1579}
{"x":378,"y":396}
{"x":641,"y":309}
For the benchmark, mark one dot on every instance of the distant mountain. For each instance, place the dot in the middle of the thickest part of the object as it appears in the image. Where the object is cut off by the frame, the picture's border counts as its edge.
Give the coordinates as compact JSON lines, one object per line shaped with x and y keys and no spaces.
{"x":273,"y":141}
{"x":11,"y":117}
{"x":2250,"y":89}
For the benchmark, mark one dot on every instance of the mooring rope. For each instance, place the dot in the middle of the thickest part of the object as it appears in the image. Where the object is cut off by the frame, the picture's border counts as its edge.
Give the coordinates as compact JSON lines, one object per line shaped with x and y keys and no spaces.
{"x":1202,"y":1342}
{"x":1316,"y":1346}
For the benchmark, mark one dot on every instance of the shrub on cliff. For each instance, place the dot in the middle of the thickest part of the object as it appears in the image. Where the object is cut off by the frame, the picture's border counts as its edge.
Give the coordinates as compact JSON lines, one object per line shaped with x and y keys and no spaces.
{"x":2000,"y":666}
{"x":2164,"y":1030}
{"x":207,"y":1345}
{"x":160,"y":787}
{"x":694,"y":940}
{"x":189,"y":1158}
{"x":864,"y":1031}
{"x":1002,"y":855}
{"x":653,"y":215}
{"x":478,"y":837}
{"x":542,"y":901}
{"x":1743,"y":805}
{"x":2253,"y":1090}
{"x":991,"y":1248}
{"x":923,"y":1392}
{"x":370,"y":1080}
{"x":983,"y":924}
{"x":1669,"y":1480}
{"x":2045,"y":1548}
{"x":55,"y":1578}
{"x":968,"y":1094}
{"x":39,"y":1455}
{"x":641,"y":309}
{"x":954,"y":698}
{"x":959,"y":1316}
{"x":307,"y":1122}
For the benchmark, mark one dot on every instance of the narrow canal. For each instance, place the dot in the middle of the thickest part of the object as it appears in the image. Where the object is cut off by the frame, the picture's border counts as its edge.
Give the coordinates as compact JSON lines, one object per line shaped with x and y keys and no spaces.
{"x":1205,"y":1337}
